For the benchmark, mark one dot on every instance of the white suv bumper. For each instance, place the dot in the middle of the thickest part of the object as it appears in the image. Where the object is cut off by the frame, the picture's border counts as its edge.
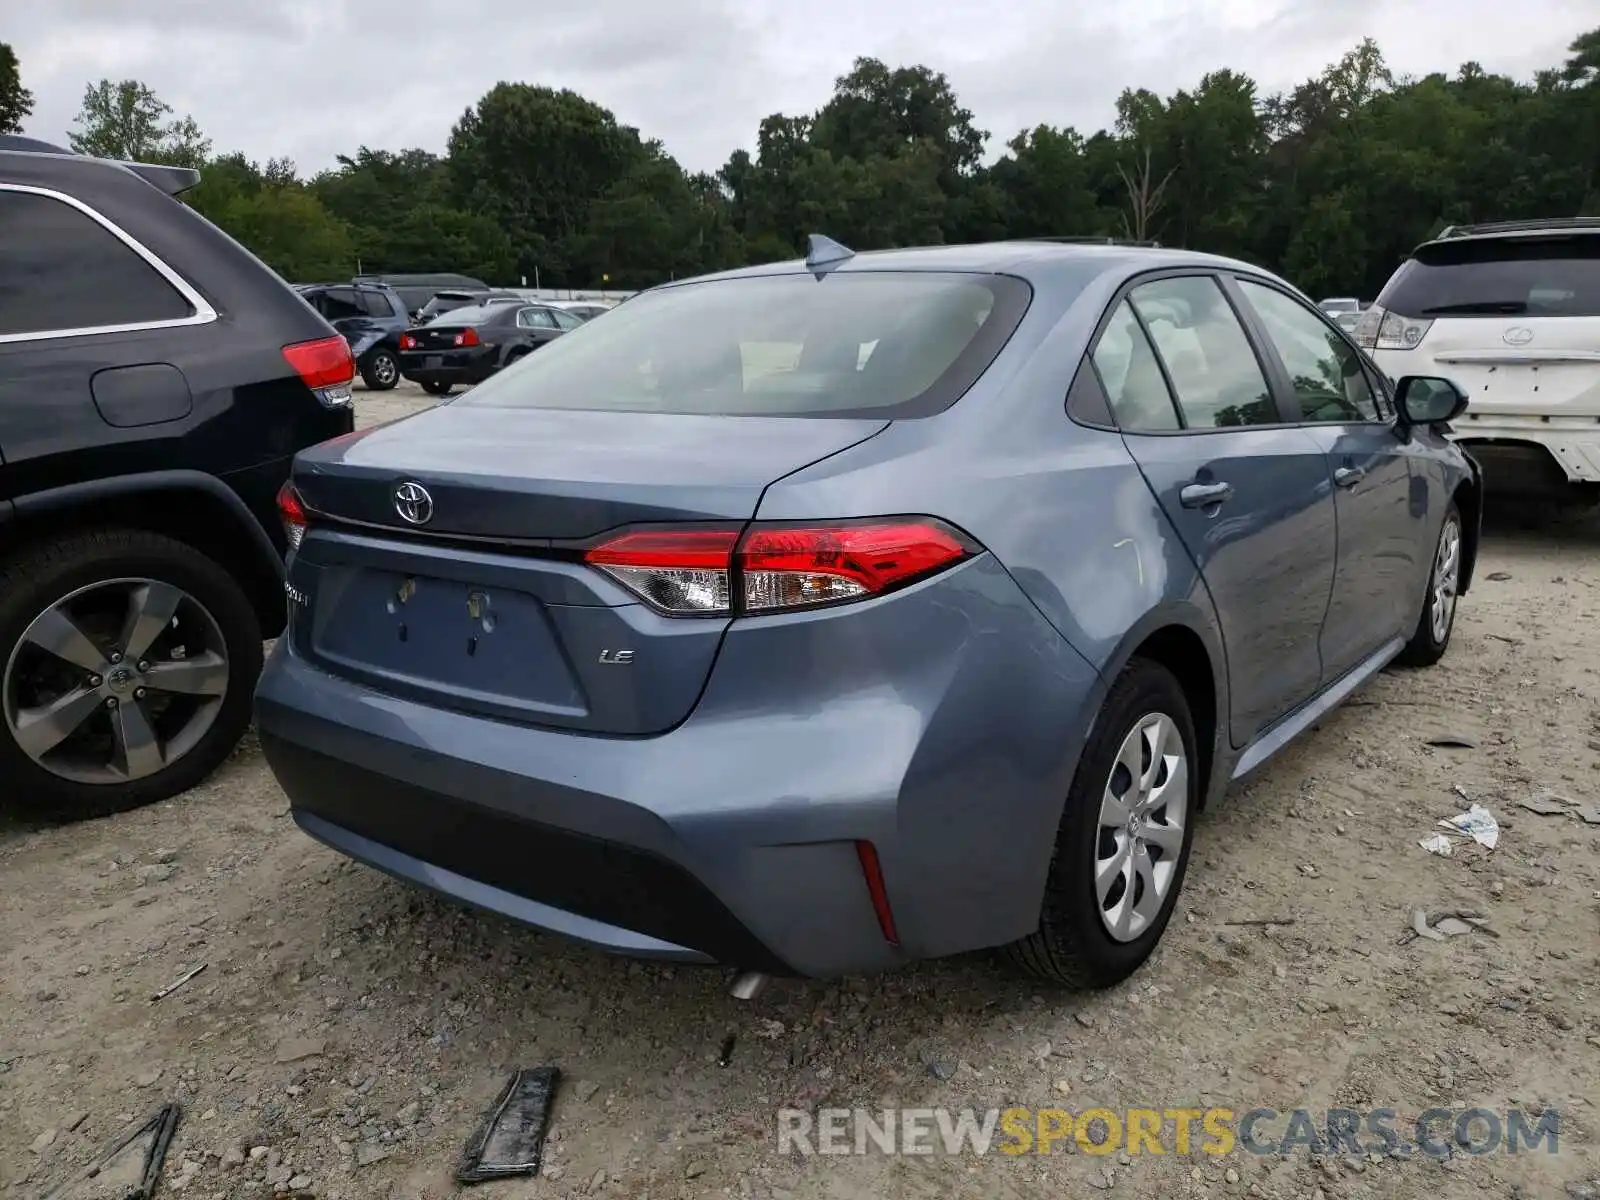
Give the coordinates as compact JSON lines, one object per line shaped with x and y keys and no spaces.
{"x":1573,"y":442}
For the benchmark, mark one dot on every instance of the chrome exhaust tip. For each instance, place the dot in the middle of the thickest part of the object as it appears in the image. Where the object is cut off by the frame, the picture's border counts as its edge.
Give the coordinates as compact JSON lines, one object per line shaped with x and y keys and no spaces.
{"x":747,"y":985}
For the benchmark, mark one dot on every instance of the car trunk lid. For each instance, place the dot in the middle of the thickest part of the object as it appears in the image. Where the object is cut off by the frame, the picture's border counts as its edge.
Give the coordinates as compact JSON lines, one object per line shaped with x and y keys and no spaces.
{"x":479,"y":602}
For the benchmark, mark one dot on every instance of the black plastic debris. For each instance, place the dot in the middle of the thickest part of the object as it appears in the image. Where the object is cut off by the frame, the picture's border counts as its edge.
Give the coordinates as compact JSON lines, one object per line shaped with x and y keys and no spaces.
{"x":511,"y":1139}
{"x":130,"y":1165}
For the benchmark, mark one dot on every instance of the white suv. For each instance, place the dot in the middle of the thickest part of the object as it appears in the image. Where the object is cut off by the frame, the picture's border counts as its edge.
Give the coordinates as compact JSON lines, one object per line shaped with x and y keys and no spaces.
{"x":1511,"y":312}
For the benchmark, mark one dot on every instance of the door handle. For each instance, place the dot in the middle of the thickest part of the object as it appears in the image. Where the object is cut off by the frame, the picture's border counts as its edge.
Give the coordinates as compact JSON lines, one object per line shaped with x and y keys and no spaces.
{"x":1348,"y":477}
{"x":1204,"y":495}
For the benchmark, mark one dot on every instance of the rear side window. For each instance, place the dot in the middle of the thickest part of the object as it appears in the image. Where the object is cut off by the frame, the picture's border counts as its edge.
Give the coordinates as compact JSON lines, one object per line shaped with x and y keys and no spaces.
{"x":536,"y":318}
{"x":1131,"y":376}
{"x":1214,"y":371}
{"x":377,"y":304}
{"x":856,"y":343}
{"x":1536,"y":277}
{"x":61,"y":270}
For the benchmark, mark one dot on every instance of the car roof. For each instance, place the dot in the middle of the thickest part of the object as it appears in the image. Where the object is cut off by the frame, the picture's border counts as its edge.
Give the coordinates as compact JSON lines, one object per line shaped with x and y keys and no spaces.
{"x":1545,"y":227}
{"x":1033,"y":260}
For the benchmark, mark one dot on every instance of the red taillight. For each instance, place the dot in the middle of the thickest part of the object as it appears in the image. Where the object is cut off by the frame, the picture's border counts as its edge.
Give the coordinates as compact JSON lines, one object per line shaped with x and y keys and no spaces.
{"x":325,"y":366}
{"x":788,"y":568}
{"x":293,"y":515}
{"x":467,"y":337}
{"x":776,"y":567}
{"x":682,"y":571}
{"x":407,"y":342}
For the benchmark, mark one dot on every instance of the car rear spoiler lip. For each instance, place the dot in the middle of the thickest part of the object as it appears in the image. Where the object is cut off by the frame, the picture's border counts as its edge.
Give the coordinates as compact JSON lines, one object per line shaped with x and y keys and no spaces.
{"x":174,"y":181}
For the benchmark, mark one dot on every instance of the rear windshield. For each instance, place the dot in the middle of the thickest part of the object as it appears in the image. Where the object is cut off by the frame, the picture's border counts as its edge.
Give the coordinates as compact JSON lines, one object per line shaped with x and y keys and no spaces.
{"x":1536,"y":277}
{"x":463,"y":314}
{"x":886,"y":344}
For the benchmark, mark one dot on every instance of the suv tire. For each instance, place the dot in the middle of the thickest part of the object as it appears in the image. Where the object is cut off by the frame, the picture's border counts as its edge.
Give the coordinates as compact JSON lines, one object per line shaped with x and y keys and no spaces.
{"x":1075,"y":944}
{"x":380,"y":370}
{"x":199,"y":630}
{"x":435,"y":388}
{"x":1431,"y":638}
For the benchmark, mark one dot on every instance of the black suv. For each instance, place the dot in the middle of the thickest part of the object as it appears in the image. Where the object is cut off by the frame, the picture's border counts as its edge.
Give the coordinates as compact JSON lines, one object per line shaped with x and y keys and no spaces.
{"x":371,"y":316}
{"x":156,"y":379}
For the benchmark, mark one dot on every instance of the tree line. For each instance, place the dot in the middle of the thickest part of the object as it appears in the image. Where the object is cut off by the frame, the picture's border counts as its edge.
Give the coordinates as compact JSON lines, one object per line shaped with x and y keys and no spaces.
{"x":1330,"y":183}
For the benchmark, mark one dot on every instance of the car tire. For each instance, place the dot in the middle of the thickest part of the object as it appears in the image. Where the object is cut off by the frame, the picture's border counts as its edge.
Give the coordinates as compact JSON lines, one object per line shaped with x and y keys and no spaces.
{"x":434,"y":388}
{"x":1094,"y":938}
{"x":207,"y":639}
{"x":380,"y":371}
{"x":1431,"y":637}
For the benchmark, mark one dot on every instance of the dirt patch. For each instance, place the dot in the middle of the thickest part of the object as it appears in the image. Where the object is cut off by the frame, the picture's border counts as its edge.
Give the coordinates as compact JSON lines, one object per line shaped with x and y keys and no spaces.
{"x":348,"y":1031}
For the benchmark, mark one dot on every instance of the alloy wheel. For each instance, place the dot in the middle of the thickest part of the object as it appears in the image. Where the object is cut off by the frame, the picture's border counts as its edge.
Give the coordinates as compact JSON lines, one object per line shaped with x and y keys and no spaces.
{"x":385,"y":370}
{"x":1143,"y":811}
{"x":116,"y":681}
{"x":1446,"y":578}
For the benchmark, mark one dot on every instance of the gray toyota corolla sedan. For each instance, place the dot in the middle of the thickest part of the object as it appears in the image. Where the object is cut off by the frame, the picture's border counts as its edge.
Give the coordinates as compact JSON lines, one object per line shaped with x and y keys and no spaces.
{"x":818,"y":617}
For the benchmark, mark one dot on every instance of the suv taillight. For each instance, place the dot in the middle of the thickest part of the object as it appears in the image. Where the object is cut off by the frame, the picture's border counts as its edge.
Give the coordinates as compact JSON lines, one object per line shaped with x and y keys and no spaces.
{"x":1379,"y":329}
{"x":325,"y":366}
{"x":776,"y":567}
{"x":292,"y":512}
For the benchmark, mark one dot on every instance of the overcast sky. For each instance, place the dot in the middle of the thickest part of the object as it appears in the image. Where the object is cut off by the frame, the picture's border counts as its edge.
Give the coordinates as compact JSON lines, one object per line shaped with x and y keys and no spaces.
{"x":313,"y":78}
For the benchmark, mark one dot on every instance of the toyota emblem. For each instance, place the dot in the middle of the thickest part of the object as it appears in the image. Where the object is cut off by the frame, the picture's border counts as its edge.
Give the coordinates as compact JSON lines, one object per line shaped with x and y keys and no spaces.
{"x":412,"y":502}
{"x":1519,"y":335}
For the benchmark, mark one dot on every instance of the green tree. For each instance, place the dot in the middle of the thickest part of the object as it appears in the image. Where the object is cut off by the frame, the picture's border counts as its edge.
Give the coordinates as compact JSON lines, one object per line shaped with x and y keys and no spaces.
{"x":536,"y":160}
{"x":127,"y":121}
{"x":16,"y":101}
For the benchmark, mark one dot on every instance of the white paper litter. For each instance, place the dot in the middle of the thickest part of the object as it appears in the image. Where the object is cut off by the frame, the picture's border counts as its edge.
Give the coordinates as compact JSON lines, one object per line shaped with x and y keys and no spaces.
{"x":1477,"y":821}
{"x":1437,"y":844}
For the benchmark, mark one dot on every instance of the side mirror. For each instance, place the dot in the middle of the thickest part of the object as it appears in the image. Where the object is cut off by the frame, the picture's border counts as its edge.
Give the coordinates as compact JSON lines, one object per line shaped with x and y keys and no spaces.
{"x":1428,"y":400}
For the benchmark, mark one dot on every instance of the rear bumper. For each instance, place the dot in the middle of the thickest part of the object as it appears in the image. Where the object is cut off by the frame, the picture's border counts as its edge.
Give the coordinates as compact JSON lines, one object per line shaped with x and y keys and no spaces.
{"x":731,"y":838}
{"x":455,"y":366}
{"x":1526,"y":454}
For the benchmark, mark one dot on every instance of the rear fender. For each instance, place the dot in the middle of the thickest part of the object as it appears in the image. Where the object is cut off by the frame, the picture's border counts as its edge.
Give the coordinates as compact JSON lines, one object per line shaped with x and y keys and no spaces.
{"x":364,"y":340}
{"x":1193,"y":615}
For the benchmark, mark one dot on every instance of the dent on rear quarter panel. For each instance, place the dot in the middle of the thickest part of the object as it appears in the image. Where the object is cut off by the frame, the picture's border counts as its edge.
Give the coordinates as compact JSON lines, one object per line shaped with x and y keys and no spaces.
{"x":1075,"y":533}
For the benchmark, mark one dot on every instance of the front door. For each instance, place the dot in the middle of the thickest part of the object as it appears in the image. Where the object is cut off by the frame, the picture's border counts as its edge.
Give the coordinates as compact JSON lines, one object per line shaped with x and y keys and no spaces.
{"x":1248,"y":494}
{"x":1378,"y":582}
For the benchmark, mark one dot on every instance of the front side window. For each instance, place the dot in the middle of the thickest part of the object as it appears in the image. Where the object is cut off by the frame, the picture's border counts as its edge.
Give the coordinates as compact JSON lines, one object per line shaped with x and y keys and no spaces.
{"x":874,"y":343}
{"x":61,"y":271}
{"x":1213,"y":369}
{"x":1324,"y":369}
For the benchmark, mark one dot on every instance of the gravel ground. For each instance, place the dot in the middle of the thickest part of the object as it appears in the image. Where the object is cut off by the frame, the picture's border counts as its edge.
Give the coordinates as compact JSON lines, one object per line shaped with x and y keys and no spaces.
{"x":348,"y":1031}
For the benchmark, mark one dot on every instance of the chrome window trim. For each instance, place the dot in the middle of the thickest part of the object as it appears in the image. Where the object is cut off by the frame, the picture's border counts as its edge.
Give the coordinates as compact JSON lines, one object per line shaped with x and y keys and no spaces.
{"x":203,"y":313}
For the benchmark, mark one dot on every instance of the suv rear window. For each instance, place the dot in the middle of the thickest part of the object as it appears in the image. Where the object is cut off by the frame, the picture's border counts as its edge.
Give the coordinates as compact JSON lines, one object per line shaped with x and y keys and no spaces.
{"x":882,"y":344}
{"x":61,"y":270}
{"x":1536,"y":277}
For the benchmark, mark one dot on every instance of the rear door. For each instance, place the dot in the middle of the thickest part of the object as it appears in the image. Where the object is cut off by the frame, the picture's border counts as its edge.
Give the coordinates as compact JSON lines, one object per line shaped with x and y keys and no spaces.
{"x":1379,"y":578}
{"x":1515,"y":320}
{"x":538,"y":323}
{"x":1247,"y":491}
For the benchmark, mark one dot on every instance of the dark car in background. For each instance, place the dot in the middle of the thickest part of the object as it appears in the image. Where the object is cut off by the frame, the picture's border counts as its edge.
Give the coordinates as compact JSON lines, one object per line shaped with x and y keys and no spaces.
{"x":467,"y":345}
{"x":417,"y":289}
{"x":156,"y":379}
{"x":371,"y":316}
{"x":447,"y":301}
